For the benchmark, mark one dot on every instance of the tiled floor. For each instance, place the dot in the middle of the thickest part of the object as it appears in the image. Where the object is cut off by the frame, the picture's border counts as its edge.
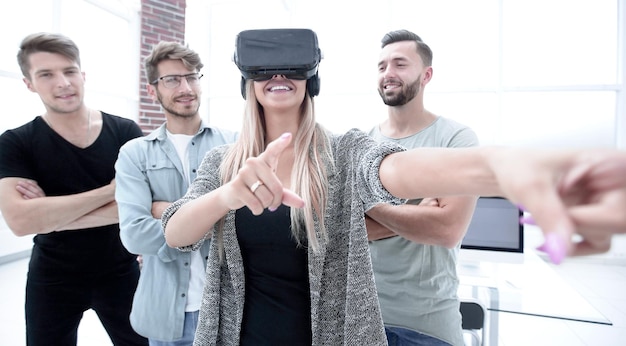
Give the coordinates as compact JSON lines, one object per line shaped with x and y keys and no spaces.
{"x":604,"y":286}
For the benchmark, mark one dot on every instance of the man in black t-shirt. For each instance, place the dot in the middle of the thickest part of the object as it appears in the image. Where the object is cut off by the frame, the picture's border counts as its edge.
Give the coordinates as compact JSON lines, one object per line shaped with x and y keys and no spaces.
{"x":56,"y":181}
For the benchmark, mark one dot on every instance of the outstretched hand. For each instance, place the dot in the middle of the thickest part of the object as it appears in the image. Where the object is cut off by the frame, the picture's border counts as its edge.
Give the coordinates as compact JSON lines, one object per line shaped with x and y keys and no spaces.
{"x":595,"y":191}
{"x":257,"y":186}
{"x":583,"y":194}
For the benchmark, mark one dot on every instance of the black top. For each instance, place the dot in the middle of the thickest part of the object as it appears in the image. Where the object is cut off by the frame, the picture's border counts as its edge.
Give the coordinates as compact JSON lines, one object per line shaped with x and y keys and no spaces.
{"x":35,"y":151}
{"x":277,"y":309}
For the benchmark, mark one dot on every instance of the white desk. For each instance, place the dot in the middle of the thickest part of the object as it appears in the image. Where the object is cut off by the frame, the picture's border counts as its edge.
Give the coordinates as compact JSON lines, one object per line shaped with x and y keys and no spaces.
{"x":530,"y":288}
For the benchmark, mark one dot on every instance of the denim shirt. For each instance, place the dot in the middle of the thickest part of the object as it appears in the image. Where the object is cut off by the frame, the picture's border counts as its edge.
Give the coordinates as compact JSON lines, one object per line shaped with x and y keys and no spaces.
{"x":148,"y":169}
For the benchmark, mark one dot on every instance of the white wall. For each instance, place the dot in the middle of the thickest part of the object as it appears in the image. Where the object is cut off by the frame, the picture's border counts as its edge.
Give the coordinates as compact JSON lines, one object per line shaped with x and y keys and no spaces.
{"x":107,"y":34}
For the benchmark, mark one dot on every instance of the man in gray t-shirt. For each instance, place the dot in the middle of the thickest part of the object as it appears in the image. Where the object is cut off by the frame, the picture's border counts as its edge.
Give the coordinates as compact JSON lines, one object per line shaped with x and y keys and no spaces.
{"x":414,"y":246}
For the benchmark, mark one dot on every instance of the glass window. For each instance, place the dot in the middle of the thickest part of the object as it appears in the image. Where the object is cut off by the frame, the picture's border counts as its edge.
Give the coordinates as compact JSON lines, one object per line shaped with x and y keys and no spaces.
{"x":558,"y":119}
{"x":463,"y":35}
{"x":478,"y":110}
{"x":518,"y":72}
{"x":109,"y":55}
{"x":18,"y":20}
{"x":23,"y":106}
{"x":559,"y":42}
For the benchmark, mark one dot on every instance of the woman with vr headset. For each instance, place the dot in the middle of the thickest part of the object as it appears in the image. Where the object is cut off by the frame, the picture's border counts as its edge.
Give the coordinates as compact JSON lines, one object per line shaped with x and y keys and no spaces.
{"x":284,"y":207}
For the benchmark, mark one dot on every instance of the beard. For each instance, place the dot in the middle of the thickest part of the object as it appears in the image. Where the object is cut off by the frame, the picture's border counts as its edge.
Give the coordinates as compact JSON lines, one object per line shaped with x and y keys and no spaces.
{"x":185,"y":112}
{"x":405,"y":95}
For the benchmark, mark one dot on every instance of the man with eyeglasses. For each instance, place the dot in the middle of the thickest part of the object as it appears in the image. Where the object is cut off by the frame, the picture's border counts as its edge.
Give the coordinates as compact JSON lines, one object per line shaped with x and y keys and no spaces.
{"x":152,"y":172}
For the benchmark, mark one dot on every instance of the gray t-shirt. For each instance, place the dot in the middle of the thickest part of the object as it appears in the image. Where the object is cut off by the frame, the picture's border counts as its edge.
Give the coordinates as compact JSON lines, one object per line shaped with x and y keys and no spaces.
{"x":417,"y":284}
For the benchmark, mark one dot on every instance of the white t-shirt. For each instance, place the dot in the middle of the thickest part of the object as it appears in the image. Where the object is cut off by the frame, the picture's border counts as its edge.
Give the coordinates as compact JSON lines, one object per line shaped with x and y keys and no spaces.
{"x":197,"y":277}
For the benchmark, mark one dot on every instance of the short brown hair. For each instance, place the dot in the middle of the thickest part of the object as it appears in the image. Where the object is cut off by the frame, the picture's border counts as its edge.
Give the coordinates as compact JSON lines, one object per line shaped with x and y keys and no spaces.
{"x":46,"y":42}
{"x":166,"y":50}
{"x":423,"y":49}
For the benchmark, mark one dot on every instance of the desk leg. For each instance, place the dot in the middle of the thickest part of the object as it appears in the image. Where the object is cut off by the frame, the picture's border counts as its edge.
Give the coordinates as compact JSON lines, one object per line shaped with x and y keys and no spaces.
{"x":494,"y":298}
{"x":492,"y":310}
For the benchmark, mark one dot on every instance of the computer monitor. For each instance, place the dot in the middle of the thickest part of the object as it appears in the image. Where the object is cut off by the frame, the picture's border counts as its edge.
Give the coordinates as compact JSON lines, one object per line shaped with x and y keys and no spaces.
{"x":495,"y":233}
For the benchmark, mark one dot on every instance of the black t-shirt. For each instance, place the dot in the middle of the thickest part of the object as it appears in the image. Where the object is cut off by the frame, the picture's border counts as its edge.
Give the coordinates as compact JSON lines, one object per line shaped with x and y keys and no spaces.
{"x":277,"y":309}
{"x":36,"y":152}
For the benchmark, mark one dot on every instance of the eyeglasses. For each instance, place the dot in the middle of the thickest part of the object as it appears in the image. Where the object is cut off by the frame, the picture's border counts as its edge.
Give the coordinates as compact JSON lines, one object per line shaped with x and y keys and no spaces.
{"x":173,"y":81}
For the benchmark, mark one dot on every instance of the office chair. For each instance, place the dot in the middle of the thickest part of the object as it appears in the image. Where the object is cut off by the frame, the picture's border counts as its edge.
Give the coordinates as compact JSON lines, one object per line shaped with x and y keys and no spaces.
{"x":474,"y":319}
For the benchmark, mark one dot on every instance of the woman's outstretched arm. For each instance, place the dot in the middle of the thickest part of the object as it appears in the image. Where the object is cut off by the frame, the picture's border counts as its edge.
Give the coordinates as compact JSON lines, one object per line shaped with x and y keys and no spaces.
{"x":567,"y":191}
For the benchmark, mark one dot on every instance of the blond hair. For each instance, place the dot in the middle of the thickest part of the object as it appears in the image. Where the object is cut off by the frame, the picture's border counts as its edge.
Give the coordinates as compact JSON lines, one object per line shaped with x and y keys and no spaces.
{"x":308,"y":177}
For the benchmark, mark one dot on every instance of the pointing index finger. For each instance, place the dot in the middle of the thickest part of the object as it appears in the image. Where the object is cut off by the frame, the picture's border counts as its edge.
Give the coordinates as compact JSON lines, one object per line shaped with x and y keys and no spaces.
{"x":275,"y":149}
{"x":270,"y":157}
{"x":551,"y":216}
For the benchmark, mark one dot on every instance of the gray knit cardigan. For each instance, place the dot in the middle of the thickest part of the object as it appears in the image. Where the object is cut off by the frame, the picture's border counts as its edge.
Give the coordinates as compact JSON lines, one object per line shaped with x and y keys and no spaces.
{"x":344,"y":305}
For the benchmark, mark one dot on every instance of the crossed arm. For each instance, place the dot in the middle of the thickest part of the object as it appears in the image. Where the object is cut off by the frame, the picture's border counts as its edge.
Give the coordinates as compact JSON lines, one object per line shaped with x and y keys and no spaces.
{"x":27,"y":210}
{"x":440,"y":221}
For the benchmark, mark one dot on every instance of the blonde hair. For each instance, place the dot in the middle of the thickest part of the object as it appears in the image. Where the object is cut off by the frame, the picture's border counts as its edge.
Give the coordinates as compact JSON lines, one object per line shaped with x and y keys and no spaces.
{"x":312,"y":156}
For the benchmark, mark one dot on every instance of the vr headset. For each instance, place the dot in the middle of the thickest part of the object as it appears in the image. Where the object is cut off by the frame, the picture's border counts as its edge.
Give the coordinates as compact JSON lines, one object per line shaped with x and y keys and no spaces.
{"x":294,"y":53}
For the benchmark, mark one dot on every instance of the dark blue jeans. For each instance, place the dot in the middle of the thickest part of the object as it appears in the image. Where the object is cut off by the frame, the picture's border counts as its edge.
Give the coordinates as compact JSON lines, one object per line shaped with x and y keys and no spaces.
{"x":55,"y":306}
{"x":406,"y":337}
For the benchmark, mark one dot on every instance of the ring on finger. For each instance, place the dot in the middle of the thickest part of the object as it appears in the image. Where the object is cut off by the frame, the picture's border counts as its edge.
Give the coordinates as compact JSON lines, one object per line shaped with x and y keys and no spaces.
{"x":256,"y":185}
